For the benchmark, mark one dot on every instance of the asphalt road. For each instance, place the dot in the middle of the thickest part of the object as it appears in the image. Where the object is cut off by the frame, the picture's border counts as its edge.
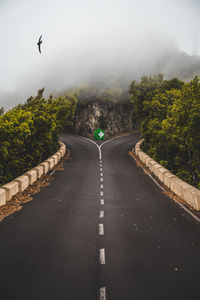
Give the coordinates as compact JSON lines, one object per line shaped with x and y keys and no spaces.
{"x":100,"y":228}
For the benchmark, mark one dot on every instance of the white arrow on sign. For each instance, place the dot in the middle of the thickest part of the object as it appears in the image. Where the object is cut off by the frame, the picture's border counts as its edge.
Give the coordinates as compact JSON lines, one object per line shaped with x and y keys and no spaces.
{"x":101,"y":134}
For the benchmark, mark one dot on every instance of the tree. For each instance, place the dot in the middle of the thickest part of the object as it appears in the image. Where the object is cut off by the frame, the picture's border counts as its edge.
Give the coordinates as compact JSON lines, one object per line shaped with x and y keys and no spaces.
{"x":171,"y":130}
{"x":1,"y":111}
{"x":145,"y":90}
{"x":29,"y":133}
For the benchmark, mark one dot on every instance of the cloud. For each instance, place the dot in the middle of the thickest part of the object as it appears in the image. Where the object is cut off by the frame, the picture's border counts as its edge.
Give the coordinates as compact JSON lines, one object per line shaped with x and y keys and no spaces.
{"x":88,"y":41}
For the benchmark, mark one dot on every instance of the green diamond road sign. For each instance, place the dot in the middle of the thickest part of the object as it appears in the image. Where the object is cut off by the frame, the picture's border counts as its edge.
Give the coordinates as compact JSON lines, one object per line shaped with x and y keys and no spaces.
{"x":99,"y":134}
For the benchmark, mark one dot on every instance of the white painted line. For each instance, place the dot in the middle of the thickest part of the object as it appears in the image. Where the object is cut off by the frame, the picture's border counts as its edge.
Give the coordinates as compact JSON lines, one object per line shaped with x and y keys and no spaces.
{"x":101,"y":229}
{"x":59,"y":161}
{"x":100,"y":157}
{"x":68,"y":154}
{"x":117,"y":137}
{"x":101,"y":214}
{"x":101,"y":169}
{"x":52,"y":172}
{"x":102,"y":293}
{"x":101,"y":174}
{"x":181,"y":205}
{"x":102,"y":256}
{"x":101,"y":178}
{"x":101,"y":186}
{"x":100,"y":165}
{"x":100,"y":161}
{"x":156,"y":182}
{"x":101,"y":193}
{"x":188,"y":211}
{"x":102,"y":202}
{"x":99,"y":147}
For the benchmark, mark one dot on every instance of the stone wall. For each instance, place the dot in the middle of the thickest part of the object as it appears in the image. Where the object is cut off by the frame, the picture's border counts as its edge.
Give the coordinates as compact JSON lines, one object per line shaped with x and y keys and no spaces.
{"x":113,"y":118}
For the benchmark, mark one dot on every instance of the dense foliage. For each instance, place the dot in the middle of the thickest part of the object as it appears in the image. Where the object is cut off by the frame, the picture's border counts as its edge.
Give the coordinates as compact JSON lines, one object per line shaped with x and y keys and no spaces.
{"x":169,"y":117}
{"x":29,"y":133}
{"x":167,"y":112}
{"x":112,"y":99}
{"x":1,"y":111}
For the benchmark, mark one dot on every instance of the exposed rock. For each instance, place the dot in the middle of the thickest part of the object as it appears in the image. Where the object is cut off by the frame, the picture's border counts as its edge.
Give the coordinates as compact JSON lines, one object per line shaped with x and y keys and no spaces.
{"x":113,"y":118}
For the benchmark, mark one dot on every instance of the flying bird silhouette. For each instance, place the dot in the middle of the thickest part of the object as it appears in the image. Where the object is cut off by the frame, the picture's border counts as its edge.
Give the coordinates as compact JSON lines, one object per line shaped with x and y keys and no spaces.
{"x":39,"y":43}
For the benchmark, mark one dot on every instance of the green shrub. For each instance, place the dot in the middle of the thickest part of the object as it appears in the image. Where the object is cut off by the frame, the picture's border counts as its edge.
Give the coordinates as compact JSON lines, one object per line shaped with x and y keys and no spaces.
{"x":29,"y":133}
{"x":171,"y":128}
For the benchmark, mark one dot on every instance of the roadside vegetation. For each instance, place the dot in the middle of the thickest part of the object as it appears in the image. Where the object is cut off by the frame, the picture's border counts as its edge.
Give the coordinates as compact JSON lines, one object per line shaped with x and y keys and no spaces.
{"x":29,"y":132}
{"x":168,"y":113}
{"x":114,"y":98}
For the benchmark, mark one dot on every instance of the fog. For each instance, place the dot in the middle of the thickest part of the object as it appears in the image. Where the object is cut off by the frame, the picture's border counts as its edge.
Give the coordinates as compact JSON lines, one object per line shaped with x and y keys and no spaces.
{"x":85,"y":42}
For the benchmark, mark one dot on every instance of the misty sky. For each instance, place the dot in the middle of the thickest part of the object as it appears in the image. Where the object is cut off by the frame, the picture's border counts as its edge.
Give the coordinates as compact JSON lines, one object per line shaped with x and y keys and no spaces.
{"x":84,"y":37}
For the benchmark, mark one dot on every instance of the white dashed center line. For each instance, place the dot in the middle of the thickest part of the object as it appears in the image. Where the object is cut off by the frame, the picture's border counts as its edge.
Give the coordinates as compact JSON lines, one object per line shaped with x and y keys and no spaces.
{"x":102,"y":202}
{"x":101,"y":214}
{"x":102,"y":293}
{"x":102,"y":290}
{"x":102,"y":256}
{"x":101,"y":229}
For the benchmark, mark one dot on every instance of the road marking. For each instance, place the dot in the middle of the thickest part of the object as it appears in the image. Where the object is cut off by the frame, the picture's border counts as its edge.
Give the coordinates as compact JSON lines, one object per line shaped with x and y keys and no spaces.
{"x":101,"y":174}
{"x":101,"y":229}
{"x":100,"y":165}
{"x":101,"y":178}
{"x":102,"y":256}
{"x":59,"y":161}
{"x":181,"y":205}
{"x":100,"y":161}
{"x":102,"y":293}
{"x":101,"y":169}
{"x":101,"y":186}
{"x":101,"y":214}
{"x":101,"y":193}
{"x":102,"y":202}
{"x":163,"y":189}
{"x":99,"y":147}
{"x":52,"y":172}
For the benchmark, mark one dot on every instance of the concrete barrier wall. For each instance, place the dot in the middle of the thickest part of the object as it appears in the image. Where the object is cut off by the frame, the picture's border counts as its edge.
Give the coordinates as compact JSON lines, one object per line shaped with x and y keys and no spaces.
{"x":2,"y":197}
{"x":45,"y":166}
{"x":23,"y":182}
{"x":20,"y":183}
{"x":55,"y":157}
{"x":11,"y":189}
{"x":51,"y":162}
{"x":40,"y":170}
{"x":32,"y":175}
{"x":180,"y":188}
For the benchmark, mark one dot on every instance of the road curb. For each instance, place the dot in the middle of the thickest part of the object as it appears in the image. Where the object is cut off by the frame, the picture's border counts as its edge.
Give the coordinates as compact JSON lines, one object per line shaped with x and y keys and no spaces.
{"x":20,"y":183}
{"x":180,"y":188}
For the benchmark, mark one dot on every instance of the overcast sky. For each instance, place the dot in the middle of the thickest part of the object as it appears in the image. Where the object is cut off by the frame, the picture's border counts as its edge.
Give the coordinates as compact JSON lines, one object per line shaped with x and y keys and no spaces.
{"x":81,"y":37}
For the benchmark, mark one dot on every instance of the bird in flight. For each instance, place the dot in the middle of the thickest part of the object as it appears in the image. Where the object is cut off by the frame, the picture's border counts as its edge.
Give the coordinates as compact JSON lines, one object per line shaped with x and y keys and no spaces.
{"x":39,"y":43}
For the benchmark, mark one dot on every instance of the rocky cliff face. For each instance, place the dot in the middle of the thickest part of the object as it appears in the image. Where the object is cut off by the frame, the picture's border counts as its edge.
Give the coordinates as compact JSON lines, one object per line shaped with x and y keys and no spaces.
{"x":113,"y":118}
